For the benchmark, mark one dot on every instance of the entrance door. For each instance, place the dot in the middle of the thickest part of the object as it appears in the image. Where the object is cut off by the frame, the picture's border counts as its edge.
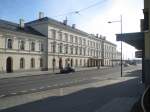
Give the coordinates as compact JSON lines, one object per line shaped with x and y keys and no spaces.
{"x":9,"y":64}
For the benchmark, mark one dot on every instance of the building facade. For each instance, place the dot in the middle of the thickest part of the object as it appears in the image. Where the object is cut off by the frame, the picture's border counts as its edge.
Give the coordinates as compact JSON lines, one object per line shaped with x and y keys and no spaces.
{"x":46,"y":44}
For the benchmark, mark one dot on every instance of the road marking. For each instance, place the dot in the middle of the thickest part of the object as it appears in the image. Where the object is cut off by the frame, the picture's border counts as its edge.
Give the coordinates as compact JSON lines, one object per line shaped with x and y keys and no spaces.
{"x":13,"y":93}
{"x":33,"y":89}
{"x":42,"y":87}
{"x":24,"y":91}
{"x":55,"y":85}
{"x":49,"y":86}
{"x":61,"y":84}
{"x":2,"y":96}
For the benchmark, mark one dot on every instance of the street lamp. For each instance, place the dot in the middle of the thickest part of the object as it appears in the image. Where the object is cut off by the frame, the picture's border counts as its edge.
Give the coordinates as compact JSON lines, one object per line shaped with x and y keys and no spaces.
{"x":121,"y":40}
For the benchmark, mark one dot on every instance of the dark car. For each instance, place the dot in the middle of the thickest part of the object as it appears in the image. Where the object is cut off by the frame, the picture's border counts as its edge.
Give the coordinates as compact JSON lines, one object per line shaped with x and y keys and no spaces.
{"x":67,"y":70}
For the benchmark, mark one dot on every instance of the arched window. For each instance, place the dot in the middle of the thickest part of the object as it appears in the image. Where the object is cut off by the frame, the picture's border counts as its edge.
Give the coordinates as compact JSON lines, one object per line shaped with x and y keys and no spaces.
{"x":41,"y":62}
{"x":9,"y":43}
{"x":22,"y":63}
{"x":32,"y":62}
{"x":22,"y":43}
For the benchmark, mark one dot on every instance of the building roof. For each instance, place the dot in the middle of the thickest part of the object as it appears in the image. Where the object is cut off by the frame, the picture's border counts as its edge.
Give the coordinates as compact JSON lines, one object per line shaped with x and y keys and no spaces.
{"x":58,"y":23}
{"x":7,"y":25}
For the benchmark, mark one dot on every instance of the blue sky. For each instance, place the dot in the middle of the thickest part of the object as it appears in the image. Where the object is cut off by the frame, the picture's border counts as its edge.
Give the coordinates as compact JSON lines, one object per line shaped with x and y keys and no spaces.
{"x":92,"y":20}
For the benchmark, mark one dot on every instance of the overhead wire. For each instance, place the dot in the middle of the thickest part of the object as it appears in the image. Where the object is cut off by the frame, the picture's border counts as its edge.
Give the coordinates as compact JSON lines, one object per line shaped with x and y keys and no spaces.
{"x":82,"y":9}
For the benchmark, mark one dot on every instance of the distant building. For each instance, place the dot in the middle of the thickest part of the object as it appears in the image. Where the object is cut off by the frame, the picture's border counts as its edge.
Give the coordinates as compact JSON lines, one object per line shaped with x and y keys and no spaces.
{"x":47,"y":44}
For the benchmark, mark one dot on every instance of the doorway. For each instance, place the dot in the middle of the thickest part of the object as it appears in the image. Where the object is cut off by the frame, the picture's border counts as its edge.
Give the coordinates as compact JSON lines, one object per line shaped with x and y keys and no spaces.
{"x":9,"y":65}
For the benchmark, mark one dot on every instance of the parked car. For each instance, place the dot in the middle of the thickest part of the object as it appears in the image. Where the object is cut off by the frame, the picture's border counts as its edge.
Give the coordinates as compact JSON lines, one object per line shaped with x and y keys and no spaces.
{"x":126,"y":65}
{"x":67,"y":70}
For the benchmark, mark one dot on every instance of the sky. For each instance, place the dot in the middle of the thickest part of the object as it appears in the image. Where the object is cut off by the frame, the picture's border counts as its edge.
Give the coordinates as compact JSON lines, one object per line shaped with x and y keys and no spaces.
{"x":91,"y":20}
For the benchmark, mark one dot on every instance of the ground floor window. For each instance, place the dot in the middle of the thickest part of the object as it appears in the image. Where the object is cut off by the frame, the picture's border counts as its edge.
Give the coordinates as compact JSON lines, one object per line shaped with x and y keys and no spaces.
{"x":22,"y":63}
{"x":41,"y":62}
{"x":32,"y":62}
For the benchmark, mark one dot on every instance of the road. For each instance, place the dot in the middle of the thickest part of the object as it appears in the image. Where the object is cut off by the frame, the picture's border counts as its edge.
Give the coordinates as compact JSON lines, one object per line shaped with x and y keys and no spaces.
{"x":23,"y":85}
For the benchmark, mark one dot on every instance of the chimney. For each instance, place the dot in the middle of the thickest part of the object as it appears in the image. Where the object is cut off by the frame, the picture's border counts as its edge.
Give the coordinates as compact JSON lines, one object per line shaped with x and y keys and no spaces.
{"x":97,"y":35}
{"x":73,"y":26}
{"x":41,"y":15}
{"x":65,"y":21}
{"x":21,"y":24}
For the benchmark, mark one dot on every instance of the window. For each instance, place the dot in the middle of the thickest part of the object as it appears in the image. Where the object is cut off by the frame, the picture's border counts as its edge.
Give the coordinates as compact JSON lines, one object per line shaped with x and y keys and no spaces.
{"x":80,"y":62}
{"x":53,"y":47}
{"x":32,"y":62}
{"x":71,"y":49}
{"x":66,"y":37}
{"x":22,"y":45}
{"x":60,"y":36}
{"x":84,"y":51}
{"x":71,"y":38}
{"x":32,"y":46}
{"x":76,"y":39}
{"x":41,"y":62}
{"x":84,"y":42}
{"x":76,"y":62}
{"x":60,"y":47}
{"x":80,"y":41}
{"x":76,"y":50}
{"x":41,"y":46}
{"x":53,"y":33}
{"x":22,"y":63}
{"x":66,"y":48}
{"x":80,"y":51}
{"x":9,"y":43}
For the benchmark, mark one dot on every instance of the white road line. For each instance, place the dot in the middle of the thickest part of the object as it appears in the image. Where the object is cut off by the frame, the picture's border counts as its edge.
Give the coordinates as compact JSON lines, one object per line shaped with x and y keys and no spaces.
{"x":33,"y":89}
{"x":55,"y":85}
{"x":13,"y":93}
{"x":49,"y":86}
{"x":2,"y":96}
{"x":61,"y":84}
{"x":42,"y":87}
{"x":24,"y":91}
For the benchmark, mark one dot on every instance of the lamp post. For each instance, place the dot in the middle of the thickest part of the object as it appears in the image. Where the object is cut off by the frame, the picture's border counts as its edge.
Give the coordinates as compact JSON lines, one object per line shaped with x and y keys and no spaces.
{"x":121,"y":40}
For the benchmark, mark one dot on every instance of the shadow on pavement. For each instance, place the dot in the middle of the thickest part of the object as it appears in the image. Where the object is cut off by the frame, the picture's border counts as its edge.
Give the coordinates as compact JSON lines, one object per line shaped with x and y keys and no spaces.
{"x":86,"y":100}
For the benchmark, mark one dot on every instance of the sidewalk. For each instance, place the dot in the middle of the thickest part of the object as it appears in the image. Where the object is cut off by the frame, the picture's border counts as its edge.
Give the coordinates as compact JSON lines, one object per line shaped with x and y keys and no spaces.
{"x":32,"y":73}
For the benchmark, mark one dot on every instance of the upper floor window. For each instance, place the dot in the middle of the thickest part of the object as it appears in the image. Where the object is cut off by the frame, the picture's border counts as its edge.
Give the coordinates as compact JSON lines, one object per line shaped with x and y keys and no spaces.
{"x":84,"y":41}
{"x":41,"y":46}
{"x":80,"y":50}
{"x":71,"y":38}
{"x":32,"y":46}
{"x":9,"y":43}
{"x":60,"y":47}
{"x":80,"y":40}
{"x":22,"y":45}
{"x":53,"y":33}
{"x":60,"y":36}
{"x":76,"y":39}
{"x":76,"y":50}
{"x":71,"y":49}
{"x":84,"y":51}
{"x":66,"y":37}
{"x":66,"y":48}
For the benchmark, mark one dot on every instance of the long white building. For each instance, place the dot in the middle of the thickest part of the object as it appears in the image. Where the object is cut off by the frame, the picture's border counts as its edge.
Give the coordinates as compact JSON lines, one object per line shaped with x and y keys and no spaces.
{"x":47,"y":44}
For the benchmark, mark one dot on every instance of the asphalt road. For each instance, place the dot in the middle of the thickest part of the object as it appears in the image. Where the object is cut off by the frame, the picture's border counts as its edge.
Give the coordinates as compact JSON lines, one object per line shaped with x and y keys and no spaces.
{"x":23,"y":85}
